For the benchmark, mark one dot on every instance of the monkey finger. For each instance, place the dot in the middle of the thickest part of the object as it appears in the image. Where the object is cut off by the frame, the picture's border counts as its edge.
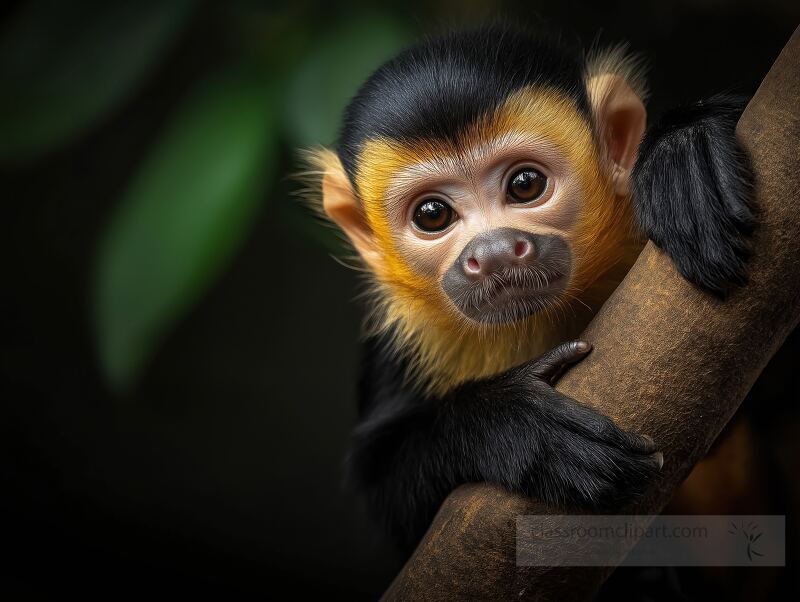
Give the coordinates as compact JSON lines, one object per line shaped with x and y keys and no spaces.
{"x":551,"y":365}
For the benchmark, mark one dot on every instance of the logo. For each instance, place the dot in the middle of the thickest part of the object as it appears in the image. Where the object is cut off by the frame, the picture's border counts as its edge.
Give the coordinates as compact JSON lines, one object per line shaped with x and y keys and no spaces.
{"x":748,"y":535}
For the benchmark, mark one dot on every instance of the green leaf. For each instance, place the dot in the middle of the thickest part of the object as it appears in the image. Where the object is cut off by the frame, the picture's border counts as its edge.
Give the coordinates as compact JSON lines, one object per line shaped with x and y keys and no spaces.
{"x":66,"y":65}
{"x":332,"y":73}
{"x":182,"y":218}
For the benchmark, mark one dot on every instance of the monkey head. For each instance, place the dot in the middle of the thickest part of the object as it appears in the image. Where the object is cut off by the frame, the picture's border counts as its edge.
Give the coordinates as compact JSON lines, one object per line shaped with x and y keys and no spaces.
{"x":483,"y":180}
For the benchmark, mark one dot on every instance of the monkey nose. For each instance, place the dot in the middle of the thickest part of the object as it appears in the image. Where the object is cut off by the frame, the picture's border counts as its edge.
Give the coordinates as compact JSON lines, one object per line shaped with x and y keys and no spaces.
{"x":496,"y":250}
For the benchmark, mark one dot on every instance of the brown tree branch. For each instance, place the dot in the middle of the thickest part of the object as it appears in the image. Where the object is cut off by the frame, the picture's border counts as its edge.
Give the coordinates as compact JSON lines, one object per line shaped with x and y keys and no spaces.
{"x":668,"y":361}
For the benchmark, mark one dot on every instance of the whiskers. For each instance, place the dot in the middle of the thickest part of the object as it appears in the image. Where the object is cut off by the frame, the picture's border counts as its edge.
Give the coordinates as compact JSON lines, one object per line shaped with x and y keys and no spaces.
{"x":528,"y":283}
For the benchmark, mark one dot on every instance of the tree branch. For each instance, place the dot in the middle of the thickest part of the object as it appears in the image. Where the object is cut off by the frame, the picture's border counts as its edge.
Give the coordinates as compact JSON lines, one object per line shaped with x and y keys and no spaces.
{"x":668,"y":361}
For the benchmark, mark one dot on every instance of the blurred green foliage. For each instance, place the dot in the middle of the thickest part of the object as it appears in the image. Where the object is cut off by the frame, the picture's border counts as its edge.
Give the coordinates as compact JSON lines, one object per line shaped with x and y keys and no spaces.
{"x":326,"y":80}
{"x":65,"y":67}
{"x":183,"y":215}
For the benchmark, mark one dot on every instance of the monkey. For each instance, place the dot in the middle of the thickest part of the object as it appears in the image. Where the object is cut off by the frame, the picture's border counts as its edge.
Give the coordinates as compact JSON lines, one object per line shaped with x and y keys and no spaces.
{"x":496,"y":184}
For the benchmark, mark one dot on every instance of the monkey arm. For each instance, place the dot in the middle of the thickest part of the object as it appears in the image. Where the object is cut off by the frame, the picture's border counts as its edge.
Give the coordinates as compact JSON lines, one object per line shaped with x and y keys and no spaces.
{"x":692,"y":189}
{"x":514,"y":430}
{"x":669,"y":360}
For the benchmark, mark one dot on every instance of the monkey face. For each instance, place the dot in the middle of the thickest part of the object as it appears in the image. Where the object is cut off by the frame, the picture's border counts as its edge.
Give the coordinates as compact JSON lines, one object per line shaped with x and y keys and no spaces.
{"x":482,"y":239}
{"x":491,"y":226}
{"x":514,"y":215}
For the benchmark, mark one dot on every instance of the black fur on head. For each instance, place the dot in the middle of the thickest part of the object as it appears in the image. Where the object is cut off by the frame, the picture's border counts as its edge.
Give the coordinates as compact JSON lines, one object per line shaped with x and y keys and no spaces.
{"x":438,"y":87}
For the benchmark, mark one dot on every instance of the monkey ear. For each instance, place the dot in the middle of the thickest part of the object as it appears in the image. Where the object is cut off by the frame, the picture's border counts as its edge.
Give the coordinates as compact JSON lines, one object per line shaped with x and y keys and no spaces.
{"x":340,"y":203}
{"x":622,"y":118}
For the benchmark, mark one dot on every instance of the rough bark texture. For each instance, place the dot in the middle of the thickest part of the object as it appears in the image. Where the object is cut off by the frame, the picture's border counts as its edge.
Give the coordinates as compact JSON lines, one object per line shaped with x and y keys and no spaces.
{"x":668,"y":361}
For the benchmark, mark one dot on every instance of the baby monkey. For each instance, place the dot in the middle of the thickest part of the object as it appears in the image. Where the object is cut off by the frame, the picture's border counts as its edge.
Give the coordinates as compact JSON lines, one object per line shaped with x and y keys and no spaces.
{"x":497,"y":184}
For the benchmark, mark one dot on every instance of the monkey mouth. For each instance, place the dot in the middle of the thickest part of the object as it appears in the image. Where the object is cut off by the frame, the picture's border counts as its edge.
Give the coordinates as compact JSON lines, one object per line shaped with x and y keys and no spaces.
{"x":511,"y":295}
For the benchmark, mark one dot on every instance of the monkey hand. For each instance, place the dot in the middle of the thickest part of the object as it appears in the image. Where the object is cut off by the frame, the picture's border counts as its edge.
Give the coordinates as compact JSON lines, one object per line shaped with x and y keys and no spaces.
{"x":585,"y":460}
{"x":513,"y":429}
{"x":692,"y":191}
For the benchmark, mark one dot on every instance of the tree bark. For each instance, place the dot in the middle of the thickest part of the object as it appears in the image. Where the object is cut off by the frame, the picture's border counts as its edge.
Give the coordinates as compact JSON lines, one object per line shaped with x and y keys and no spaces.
{"x":668,"y":361}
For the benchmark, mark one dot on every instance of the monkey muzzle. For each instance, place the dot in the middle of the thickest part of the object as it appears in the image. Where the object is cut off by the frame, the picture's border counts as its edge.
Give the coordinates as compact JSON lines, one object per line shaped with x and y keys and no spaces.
{"x":505,"y":275}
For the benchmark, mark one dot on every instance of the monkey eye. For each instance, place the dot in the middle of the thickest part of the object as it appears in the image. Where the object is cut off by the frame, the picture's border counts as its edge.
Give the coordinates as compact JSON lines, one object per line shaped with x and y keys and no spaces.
{"x":433,"y":215}
{"x":526,"y":185}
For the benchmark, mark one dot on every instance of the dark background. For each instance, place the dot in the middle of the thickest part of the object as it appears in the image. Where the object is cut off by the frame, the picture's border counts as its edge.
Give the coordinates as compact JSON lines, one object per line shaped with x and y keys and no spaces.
{"x":213,"y":465}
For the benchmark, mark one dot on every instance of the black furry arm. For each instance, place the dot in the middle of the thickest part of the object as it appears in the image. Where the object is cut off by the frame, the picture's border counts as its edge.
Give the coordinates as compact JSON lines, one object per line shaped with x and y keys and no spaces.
{"x":514,"y":430}
{"x":692,"y":191}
